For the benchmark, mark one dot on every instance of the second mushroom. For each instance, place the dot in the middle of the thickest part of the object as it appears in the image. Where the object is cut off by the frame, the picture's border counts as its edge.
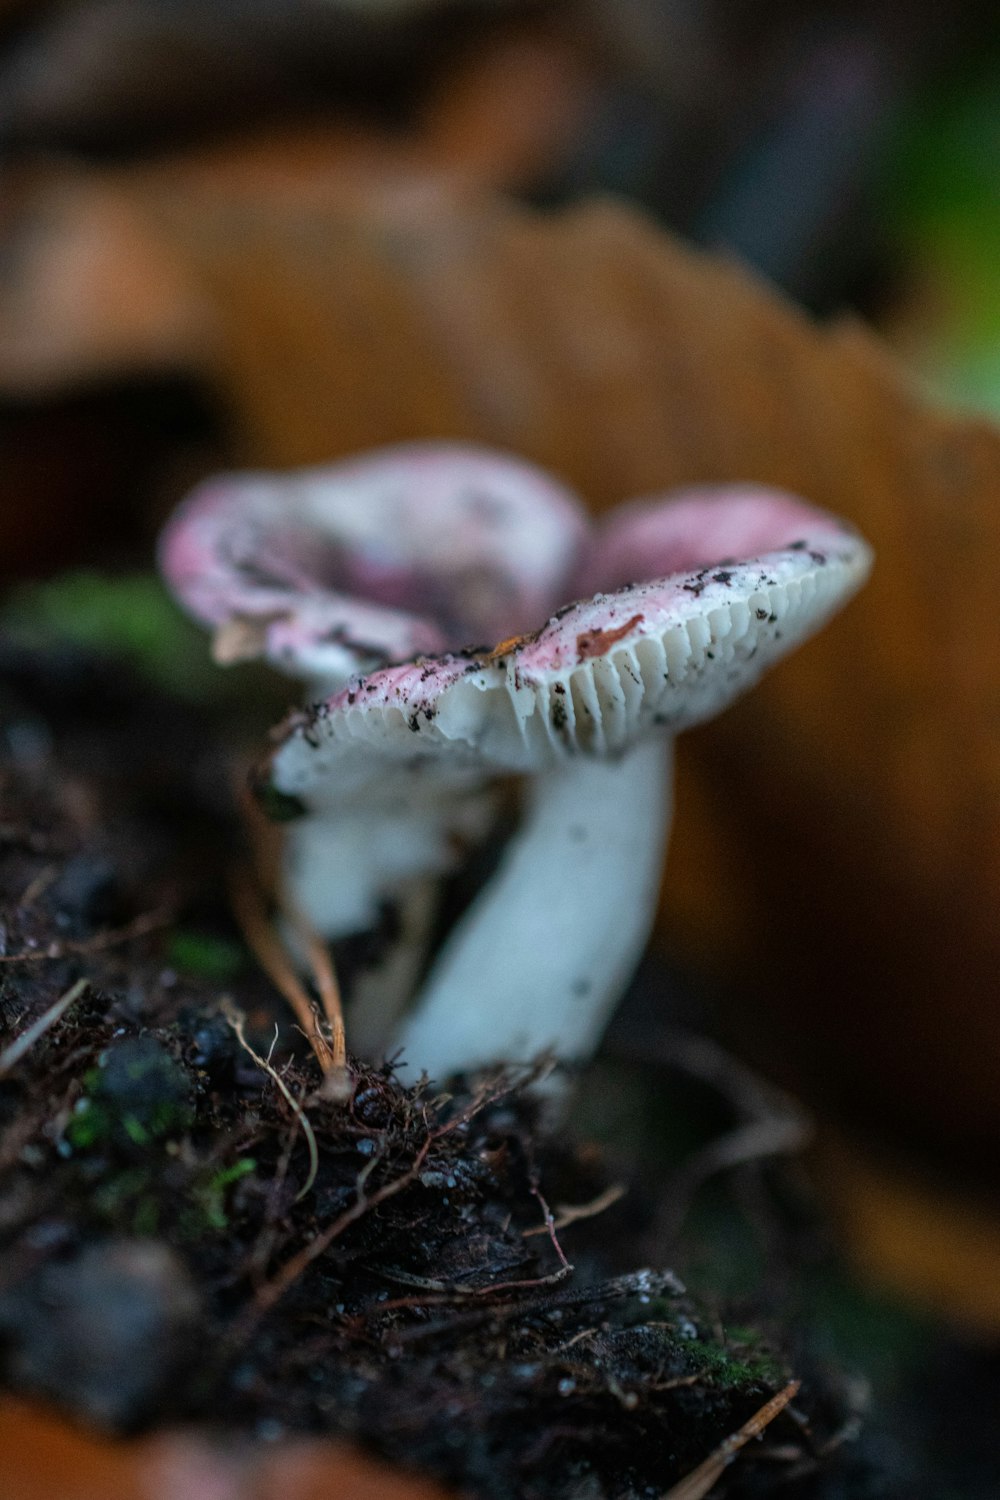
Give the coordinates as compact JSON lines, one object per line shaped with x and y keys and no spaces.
{"x":384,"y":583}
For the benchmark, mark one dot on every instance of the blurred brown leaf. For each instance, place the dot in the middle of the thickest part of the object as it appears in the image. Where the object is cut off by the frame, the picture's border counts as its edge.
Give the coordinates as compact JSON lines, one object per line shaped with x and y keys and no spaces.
{"x":97,"y":304}
{"x":45,"y":1458}
{"x":120,"y":78}
{"x":911,"y":1231}
{"x":837,"y":854}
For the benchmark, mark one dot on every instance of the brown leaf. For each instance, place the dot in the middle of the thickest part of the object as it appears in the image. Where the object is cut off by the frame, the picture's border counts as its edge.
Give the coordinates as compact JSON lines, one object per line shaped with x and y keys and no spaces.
{"x":837,"y":854}
{"x":44,"y":1458}
{"x":915,"y":1232}
{"x":116,"y":78}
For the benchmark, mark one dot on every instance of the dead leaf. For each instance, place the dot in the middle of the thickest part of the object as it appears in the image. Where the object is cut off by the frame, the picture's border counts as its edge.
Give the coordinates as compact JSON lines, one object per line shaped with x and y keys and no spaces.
{"x":45,"y":1458}
{"x":916,"y":1233}
{"x":837,"y":854}
{"x":120,"y":78}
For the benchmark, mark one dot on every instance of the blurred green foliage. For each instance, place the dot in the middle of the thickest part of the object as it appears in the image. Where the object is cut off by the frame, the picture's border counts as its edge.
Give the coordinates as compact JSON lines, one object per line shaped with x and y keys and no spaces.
{"x":210,"y":1195}
{"x":132,"y":617}
{"x":204,"y":955}
{"x":129,"y":615}
{"x":942,"y":198}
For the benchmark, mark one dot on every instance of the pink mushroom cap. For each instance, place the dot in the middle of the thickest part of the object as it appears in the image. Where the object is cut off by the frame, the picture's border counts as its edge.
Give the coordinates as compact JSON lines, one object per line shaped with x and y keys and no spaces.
{"x":334,"y":570}
{"x":762,"y":574}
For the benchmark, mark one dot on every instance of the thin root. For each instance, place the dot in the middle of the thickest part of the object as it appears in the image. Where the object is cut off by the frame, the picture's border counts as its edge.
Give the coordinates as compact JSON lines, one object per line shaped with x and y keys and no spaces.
{"x":12,"y":1055}
{"x":337,"y":1084}
{"x":270,"y":953}
{"x":570,"y":1213}
{"x":550,"y":1227}
{"x":271,"y":1291}
{"x":237,"y":1020}
{"x":700,"y":1480}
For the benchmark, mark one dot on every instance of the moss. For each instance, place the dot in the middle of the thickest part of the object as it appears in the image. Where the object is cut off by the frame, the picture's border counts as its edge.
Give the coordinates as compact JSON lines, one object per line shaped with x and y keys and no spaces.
{"x":731,"y":1360}
{"x":136,"y":1095}
{"x":732,"y":1368}
{"x":205,"y":956}
{"x":135,"y":1106}
{"x":208,"y":1205}
{"x":130,"y":616}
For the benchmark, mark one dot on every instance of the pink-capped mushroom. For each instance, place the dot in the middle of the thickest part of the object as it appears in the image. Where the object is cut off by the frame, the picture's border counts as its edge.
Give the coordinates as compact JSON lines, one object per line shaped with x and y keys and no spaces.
{"x":327,"y":573}
{"x":585,"y":709}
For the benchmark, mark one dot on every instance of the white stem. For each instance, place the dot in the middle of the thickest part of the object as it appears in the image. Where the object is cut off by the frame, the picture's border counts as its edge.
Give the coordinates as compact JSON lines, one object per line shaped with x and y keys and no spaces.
{"x":545,"y":951}
{"x":329,"y":871}
{"x":342,"y":861}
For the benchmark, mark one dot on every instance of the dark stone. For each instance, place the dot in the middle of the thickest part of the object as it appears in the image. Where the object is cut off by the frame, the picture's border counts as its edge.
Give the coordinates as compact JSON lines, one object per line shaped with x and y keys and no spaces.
{"x":104,"y":1333}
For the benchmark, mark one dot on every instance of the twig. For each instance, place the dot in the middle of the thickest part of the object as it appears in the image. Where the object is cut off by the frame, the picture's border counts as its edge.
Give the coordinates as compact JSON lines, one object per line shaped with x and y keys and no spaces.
{"x":443,"y":1293}
{"x":700,"y":1480}
{"x":237,"y":1021}
{"x":635,"y":1283}
{"x":39,"y":885}
{"x":270,"y":954}
{"x":585,"y":1333}
{"x":678,"y":1383}
{"x":22,"y":1044}
{"x":148,"y":922}
{"x":337,"y":1084}
{"x":550,"y":1227}
{"x":568,"y":1213}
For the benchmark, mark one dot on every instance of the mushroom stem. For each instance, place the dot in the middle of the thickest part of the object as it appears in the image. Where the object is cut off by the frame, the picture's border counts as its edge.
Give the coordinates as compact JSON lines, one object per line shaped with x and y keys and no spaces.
{"x":542,"y":956}
{"x":343,"y":861}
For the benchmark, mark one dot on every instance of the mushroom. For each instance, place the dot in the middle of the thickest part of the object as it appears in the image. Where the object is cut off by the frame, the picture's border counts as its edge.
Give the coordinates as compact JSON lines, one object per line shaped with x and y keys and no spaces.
{"x":333,"y":571}
{"x":585,"y":710}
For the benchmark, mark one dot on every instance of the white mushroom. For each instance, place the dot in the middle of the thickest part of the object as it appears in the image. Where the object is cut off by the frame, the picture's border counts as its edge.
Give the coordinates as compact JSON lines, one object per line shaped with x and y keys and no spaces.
{"x":586,"y":708}
{"x":334,"y":571}
{"x":366,"y":578}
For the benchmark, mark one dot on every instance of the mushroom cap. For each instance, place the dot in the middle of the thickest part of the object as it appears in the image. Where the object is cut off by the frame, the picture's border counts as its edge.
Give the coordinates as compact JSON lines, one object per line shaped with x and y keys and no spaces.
{"x":334,"y":570}
{"x":604,"y":671}
{"x":686,"y":530}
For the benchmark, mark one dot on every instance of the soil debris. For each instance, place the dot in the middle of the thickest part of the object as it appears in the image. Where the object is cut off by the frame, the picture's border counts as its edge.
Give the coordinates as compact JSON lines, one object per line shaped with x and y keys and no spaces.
{"x":192,"y":1230}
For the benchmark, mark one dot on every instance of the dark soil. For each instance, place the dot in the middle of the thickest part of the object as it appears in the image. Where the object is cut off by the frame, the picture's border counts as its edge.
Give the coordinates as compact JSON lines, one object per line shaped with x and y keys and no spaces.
{"x":189,"y":1235}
